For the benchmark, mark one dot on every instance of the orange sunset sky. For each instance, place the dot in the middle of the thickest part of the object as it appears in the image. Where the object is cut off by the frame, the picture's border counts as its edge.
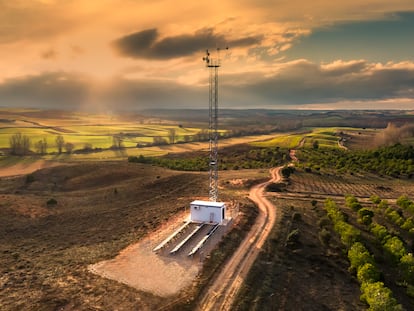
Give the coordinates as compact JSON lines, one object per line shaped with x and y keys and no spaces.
{"x":129,"y":55}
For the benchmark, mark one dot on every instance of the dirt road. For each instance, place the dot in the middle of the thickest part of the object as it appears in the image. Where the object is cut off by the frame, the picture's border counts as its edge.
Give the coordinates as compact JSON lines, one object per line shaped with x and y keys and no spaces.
{"x":223,"y":291}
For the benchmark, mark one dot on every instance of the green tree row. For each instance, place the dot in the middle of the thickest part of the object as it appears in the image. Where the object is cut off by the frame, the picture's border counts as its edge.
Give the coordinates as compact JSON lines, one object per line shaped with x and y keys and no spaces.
{"x":392,"y":245}
{"x":374,"y":292}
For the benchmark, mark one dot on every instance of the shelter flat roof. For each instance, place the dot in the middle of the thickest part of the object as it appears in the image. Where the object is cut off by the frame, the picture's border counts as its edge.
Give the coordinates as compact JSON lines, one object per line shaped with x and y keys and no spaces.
{"x":208,"y":203}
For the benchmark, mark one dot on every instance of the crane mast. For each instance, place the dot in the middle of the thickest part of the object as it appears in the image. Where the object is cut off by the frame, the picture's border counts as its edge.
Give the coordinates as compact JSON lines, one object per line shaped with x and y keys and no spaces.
{"x":213,"y":65}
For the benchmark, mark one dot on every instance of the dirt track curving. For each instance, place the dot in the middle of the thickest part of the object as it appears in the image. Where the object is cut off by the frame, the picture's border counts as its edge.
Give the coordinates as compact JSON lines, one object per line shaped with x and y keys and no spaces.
{"x":222,"y":292}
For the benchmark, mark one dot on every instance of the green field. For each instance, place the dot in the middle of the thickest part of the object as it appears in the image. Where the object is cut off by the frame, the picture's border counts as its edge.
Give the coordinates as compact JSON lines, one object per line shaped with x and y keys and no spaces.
{"x":98,"y":136}
{"x":326,"y":137}
{"x":282,"y":140}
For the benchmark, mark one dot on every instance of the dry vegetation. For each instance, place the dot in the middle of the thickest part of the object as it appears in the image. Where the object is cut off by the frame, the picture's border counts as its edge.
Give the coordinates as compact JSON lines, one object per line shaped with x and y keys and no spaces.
{"x":100,"y":209}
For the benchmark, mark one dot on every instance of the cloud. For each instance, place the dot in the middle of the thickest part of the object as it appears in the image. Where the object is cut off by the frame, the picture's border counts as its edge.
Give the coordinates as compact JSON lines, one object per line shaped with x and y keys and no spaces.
{"x":56,"y":90}
{"x":305,"y":82}
{"x":148,"y":44}
{"x":300,"y":83}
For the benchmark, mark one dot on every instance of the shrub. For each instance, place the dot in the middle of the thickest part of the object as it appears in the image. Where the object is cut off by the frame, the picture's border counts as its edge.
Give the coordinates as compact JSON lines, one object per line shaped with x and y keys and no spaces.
{"x":51,"y":202}
{"x":403,"y":202}
{"x":365,"y":216}
{"x":367,"y":273}
{"x":349,"y":234}
{"x":30,"y":178}
{"x":356,"y":206}
{"x":286,"y":171}
{"x":358,"y":256}
{"x":407,"y":268}
{"x":408,"y":224}
{"x":380,"y":232}
{"x":293,"y":237}
{"x":378,"y":297}
{"x":383,"y":204}
{"x":395,"y":247}
{"x":296,"y":217}
{"x":375,"y":199}
{"x":324,"y":236}
{"x":394,"y":216}
{"x":349,"y":199}
{"x":323,"y":222}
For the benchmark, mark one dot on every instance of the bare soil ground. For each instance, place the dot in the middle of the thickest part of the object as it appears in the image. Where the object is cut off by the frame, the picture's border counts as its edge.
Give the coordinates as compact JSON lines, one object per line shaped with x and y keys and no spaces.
{"x":361,"y":186}
{"x":139,"y":267}
{"x":296,"y":271}
{"x":22,"y":169}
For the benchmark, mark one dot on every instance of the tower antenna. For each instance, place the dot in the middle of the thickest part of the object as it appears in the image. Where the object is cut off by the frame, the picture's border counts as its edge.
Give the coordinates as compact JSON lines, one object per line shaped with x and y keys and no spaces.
{"x":213,"y":64}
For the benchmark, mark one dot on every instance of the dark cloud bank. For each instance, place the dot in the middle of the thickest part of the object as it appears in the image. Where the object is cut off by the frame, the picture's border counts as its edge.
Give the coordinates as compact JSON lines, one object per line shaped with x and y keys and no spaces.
{"x":300,"y":82}
{"x":148,"y":44}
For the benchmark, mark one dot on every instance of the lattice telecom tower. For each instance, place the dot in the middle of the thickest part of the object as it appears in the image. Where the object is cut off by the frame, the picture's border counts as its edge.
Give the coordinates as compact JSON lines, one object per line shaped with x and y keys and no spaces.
{"x":213,"y":64}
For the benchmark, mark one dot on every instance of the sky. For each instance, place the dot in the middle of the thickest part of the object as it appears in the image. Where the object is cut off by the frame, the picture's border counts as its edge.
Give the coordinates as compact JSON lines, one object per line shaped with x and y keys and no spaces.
{"x":121,"y":55}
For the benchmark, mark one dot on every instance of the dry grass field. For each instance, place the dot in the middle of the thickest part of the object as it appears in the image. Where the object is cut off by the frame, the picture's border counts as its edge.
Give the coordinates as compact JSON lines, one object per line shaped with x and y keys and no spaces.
{"x":101,"y":209}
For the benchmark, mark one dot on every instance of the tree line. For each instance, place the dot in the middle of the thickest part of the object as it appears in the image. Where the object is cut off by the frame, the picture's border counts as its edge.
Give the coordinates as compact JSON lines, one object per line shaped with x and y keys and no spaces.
{"x":233,"y":158}
{"x":20,"y":145}
{"x":394,"y":161}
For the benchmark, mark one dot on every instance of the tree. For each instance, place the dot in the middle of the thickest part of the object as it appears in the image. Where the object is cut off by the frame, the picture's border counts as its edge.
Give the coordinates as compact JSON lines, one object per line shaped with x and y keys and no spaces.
{"x":69,"y":147}
{"x":87,"y":147}
{"x":379,"y":297}
{"x":171,"y":135}
{"x":159,"y":141}
{"x":404,"y":202}
{"x":395,"y":247}
{"x":375,"y":199}
{"x":286,"y":171}
{"x":19,"y":144}
{"x":367,"y":273}
{"x":41,"y":146}
{"x":358,"y":256}
{"x":60,"y":142}
{"x":365,"y":216}
{"x":407,"y":268}
{"x":117,"y":142}
{"x":315,"y":144}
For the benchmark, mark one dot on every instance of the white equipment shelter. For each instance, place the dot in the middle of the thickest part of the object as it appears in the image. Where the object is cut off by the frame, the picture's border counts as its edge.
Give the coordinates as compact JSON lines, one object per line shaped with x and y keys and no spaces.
{"x":207,"y":212}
